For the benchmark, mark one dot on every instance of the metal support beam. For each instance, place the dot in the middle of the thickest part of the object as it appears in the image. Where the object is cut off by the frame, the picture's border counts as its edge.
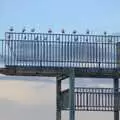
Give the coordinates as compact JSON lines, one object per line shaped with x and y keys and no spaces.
{"x":58,"y":99}
{"x":71,"y":95}
{"x":116,"y":86}
{"x":62,"y":77}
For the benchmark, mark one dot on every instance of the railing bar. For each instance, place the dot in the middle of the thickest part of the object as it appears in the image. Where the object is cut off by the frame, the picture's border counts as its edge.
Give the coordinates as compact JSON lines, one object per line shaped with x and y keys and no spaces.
{"x":84,"y":99}
{"x":78,"y":98}
{"x":96,"y":99}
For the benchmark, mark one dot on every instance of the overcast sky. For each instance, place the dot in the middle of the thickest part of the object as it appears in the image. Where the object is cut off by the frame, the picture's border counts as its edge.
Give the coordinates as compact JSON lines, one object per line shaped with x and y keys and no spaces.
{"x":21,"y":99}
{"x":35,"y":99}
{"x":29,"y":98}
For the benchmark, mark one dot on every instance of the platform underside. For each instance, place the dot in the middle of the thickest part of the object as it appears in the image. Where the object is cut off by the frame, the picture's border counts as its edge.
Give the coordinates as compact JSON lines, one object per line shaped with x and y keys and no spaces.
{"x":54,"y":71}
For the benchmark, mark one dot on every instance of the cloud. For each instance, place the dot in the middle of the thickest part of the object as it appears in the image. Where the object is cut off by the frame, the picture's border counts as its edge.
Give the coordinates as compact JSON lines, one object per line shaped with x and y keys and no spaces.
{"x":29,"y":100}
{"x":25,"y":93}
{"x":79,"y":82}
{"x":11,"y":110}
{"x":32,"y":92}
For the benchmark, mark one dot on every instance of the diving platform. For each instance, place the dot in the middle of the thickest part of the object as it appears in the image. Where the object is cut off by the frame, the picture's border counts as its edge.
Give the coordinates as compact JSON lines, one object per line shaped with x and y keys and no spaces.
{"x":67,"y":56}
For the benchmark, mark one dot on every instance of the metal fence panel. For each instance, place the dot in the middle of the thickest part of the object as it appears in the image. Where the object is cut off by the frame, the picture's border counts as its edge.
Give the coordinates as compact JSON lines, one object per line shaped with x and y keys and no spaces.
{"x":62,"y":50}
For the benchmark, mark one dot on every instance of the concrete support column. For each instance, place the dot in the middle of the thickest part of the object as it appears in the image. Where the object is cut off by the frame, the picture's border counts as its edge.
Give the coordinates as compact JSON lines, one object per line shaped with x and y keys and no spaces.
{"x":58,"y":99}
{"x":71,"y":95}
{"x":116,"y":87}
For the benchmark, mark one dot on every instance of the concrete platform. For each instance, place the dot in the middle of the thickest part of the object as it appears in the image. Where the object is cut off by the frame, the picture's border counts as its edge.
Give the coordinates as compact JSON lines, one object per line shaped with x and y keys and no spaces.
{"x":55,"y":71}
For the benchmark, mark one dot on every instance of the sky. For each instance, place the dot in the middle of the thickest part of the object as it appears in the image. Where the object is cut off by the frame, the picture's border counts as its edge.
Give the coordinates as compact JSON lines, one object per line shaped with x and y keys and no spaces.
{"x":33,"y":98}
{"x":17,"y":93}
{"x":96,"y":15}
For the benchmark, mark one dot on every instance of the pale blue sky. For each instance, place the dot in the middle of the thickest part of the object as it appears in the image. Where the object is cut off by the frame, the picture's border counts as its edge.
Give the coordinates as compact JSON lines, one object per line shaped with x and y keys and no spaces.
{"x":97,"y":15}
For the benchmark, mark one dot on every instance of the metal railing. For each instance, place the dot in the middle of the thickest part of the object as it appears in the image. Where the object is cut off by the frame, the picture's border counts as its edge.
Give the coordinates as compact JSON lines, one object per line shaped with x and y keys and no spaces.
{"x":93,"y":99}
{"x":62,"y":50}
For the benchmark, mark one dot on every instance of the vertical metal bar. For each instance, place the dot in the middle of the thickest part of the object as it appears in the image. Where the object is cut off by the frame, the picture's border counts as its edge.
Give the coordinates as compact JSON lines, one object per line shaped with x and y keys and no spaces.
{"x":73,"y":51}
{"x":102,"y":98}
{"x":68,"y":51}
{"x":35,"y":51}
{"x":17,"y":53}
{"x":116,"y":87}
{"x":14,"y":46}
{"x":32,"y":49}
{"x":29,"y":48}
{"x":24,"y":52}
{"x":41,"y":39}
{"x":87,"y":97}
{"x":77,"y":50}
{"x":108,"y":105}
{"x":102,"y":52}
{"x":99,"y":44}
{"x":78,"y":95}
{"x":62,"y":50}
{"x":105,"y":51}
{"x":2,"y":49}
{"x":96,"y":51}
{"x":40,"y":51}
{"x":49,"y":50}
{"x":115,"y":61}
{"x":105,"y":98}
{"x":43,"y":55}
{"x":92,"y":51}
{"x":88,"y":49}
{"x":111,"y":52}
{"x":46,"y":58}
{"x":59,"y":52}
{"x":95,"y":99}
{"x":86,"y":45}
{"x":5,"y":48}
{"x":58,"y":99}
{"x":80,"y":90}
{"x":56,"y":51}
{"x":71,"y":95}
{"x":90,"y":96}
{"x":89,"y":52}
{"x":82,"y":50}
{"x":99,"y":99}
{"x":112,"y":102}
{"x":82,"y":96}
{"x":108,"y":52}
{"x":80,"y":46}
{"x":11,"y":50}
{"x":83,"y":102}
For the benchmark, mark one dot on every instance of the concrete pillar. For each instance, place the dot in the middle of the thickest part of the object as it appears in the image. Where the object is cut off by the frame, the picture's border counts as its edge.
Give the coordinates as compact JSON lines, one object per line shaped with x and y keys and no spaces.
{"x":116,"y":87}
{"x":58,"y":99}
{"x":71,"y":95}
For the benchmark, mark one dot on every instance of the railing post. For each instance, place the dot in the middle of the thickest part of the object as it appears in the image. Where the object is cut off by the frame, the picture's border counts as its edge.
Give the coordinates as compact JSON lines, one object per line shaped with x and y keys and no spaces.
{"x":116,"y":90}
{"x":58,"y":99}
{"x":71,"y":95}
